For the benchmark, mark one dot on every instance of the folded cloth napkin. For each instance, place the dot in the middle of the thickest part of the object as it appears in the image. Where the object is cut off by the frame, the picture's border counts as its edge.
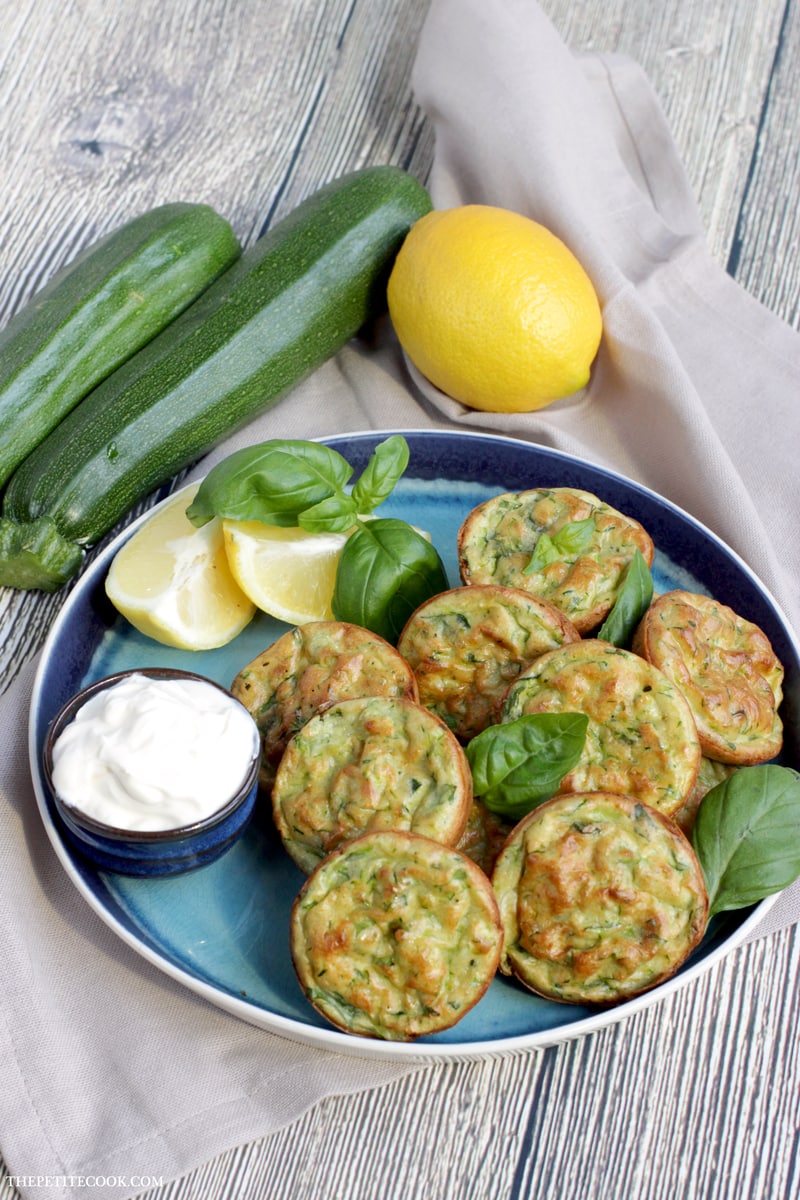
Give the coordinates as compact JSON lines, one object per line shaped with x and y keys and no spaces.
{"x":110,"y":1069}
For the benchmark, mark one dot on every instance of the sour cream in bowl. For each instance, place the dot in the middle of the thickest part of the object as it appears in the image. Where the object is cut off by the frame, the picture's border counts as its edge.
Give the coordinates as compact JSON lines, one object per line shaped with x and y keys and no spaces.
{"x":153,"y":771}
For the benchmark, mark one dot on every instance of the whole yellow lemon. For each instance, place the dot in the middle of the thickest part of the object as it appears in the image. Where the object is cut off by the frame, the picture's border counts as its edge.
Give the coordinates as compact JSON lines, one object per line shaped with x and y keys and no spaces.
{"x":494,"y":309}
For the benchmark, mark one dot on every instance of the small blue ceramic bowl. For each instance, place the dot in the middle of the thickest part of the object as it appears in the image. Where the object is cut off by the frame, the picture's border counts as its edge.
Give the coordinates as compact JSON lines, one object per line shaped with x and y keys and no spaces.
{"x":150,"y":852}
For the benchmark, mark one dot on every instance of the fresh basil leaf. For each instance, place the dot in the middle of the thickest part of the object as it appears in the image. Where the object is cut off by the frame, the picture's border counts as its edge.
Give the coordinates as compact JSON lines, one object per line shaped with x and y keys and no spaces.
{"x":520,"y":764}
{"x":544,"y":553}
{"x":570,"y":541}
{"x":272,"y":482}
{"x":385,"y":571}
{"x":745,"y":836}
{"x":379,"y":478}
{"x":335,"y":514}
{"x":632,"y":602}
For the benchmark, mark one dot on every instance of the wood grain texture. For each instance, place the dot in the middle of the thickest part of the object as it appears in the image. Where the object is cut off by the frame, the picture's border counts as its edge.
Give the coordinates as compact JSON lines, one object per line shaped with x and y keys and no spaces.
{"x":106,"y":109}
{"x":112,"y":109}
{"x":764,"y":254}
{"x":710,"y":65}
{"x":626,"y":1113}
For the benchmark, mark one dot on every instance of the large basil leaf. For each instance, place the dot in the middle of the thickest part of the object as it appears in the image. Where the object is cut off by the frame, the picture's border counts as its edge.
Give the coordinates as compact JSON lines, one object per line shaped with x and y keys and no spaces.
{"x":520,"y":764}
{"x":386,"y":570}
{"x":746,"y":836}
{"x":272,"y":482}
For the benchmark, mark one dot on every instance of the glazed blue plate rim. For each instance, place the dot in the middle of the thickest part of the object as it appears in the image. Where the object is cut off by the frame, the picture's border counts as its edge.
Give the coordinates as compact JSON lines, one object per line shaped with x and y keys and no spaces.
{"x":356,"y":447}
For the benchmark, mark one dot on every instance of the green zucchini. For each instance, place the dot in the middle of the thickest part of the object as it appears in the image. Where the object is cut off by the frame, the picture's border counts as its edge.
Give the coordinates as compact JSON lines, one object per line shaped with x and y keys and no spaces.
{"x":98,"y":311}
{"x":290,"y":302}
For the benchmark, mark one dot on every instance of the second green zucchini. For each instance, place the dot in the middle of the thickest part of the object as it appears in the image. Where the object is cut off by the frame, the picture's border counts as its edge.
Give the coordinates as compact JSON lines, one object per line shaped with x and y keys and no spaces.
{"x":291,"y":301}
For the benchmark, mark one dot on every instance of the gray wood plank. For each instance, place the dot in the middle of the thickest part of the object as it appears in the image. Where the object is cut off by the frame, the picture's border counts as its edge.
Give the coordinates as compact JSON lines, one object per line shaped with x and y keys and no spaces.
{"x":623,"y":1114}
{"x":764,"y":253}
{"x":710,"y":65}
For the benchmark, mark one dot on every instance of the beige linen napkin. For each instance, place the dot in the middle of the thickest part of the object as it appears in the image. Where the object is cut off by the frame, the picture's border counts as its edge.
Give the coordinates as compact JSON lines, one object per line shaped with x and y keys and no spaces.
{"x":695,"y":390}
{"x":110,"y":1070}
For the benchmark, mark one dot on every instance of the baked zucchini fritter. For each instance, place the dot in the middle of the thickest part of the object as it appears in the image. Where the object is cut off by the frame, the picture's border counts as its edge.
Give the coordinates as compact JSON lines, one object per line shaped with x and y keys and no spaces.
{"x":600,"y":896}
{"x":561,"y":544}
{"x":641,"y":740}
{"x":467,"y":645}
{"x":306,"y":671}
{"x":380,"y":762}
{"x":395,"y":936}
{"x":726,"y":668}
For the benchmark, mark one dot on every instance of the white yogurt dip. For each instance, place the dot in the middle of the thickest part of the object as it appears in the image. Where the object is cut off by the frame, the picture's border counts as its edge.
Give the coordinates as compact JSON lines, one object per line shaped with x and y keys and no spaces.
{"x":154,"y":754}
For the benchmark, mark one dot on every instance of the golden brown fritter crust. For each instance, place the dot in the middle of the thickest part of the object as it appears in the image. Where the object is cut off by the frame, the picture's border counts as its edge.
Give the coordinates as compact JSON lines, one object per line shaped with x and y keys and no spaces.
{"x":726,"y":668}
{"x":498,"y":540}
{"x":306,"y":671}
{"x":395,"y":936}
{"x":467,"y":645}
{"x":601,"y":898}
{"x":379,"y":762}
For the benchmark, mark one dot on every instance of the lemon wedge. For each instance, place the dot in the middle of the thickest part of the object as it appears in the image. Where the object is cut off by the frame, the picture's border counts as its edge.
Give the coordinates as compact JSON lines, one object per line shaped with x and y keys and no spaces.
{"x":173,"y":583}
{"x":288,"y":573}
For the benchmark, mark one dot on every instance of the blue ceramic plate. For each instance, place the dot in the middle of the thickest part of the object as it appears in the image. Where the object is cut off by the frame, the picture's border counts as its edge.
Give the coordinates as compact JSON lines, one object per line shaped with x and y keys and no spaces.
{"x":222,"y":930}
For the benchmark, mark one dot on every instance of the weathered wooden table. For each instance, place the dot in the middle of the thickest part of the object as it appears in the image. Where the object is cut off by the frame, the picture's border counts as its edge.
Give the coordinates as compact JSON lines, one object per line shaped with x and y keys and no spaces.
{"x":107,"y":108}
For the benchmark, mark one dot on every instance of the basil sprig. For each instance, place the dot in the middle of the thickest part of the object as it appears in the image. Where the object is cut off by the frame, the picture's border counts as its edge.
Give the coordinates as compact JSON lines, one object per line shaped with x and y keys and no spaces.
{"x":745,"y":836}
{"x":632,"y":602}
{"x":386,"y":570}
{"x":518,"y":765}
{"x":290,"y":482}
